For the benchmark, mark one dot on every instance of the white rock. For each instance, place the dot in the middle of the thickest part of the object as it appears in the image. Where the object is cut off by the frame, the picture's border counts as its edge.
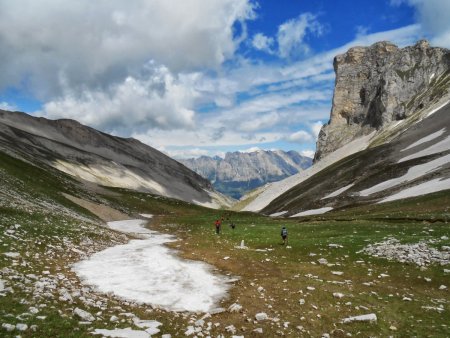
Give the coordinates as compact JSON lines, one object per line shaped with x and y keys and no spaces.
{"x":371,"y":317}
{"x":12,"y":254}
{"x":442,"y":287}
{"x":21,"y":327}
{"x":260,"y":289}
{"x":301,"y":301}
{"x":84,"y":315}
{"x":33,"y":310}
{"x":167,"y":335}
{"x":235,"y":308}
{"x":310,"y":288}
{"x":231,"y":329}
{"x":407,"y":299}
{"x":338,"y":295}
{"x":8,"y":327}
{"x":190,"y":331}
{"x":261,"y":316}
{"x":199,"y":322}
{"x":322,"y":261}
{"x":337,"y":273}
{"x":113,"y":319}
{"x":258,"y":330}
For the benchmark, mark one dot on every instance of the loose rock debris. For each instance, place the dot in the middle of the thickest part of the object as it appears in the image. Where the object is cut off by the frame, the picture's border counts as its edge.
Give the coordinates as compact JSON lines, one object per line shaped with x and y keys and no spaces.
{"x":419,"y":253}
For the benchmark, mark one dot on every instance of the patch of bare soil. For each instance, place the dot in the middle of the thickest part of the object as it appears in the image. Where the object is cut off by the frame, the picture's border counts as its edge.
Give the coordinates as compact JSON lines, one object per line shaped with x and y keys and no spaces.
{"x":102,"y":211}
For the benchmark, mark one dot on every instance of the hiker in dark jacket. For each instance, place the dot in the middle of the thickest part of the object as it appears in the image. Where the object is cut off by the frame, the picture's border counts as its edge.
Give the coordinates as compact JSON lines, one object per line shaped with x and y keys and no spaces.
{"x":284,"y":235}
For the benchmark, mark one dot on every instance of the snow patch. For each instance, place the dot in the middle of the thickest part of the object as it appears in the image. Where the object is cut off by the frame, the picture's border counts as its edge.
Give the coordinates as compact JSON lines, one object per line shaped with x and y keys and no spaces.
{"x":146,"y":271}
{"x":429,"y":187}
{"x":413,"y":173}
{"x":313,"y":212}
{"x":276,"y":214}
{"x":438,"y":108}
{"x":426,"y":139}
{"x":440,"y":146}
{"x":121,"y":333}
{"x":338,"y":192}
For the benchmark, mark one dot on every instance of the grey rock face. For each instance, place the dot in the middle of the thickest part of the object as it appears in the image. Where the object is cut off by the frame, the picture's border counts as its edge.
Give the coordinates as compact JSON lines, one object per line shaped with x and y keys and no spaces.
{"x":379,"y":84}
{"x":240,"y":172}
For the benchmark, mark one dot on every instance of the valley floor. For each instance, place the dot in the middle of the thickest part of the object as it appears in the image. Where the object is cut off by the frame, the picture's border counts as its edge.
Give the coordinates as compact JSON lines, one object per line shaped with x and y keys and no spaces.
{"x":306,"y":288}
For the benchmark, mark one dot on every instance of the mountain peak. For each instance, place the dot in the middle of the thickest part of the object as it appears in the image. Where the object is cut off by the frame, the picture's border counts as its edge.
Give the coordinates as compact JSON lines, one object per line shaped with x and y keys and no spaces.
{"x":379,"y":84}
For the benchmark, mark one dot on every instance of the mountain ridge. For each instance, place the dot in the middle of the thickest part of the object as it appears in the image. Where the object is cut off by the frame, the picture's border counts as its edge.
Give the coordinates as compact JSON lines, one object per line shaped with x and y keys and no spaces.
{"x":239,"y":172}
{"x":98,"y":157}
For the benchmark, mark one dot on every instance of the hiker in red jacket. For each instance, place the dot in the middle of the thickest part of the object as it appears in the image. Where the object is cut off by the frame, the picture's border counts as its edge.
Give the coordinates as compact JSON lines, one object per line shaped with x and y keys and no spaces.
{"x":218,"y":225}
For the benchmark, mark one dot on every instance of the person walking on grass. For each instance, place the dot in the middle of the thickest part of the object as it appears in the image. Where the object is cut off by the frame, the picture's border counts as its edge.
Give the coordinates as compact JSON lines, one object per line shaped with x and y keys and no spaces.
{"x":284,"y":235}
{"x":218,"y":225}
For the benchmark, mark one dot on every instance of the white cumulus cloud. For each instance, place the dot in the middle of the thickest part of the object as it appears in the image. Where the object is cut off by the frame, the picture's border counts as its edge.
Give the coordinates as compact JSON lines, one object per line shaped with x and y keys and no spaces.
{"x":291,"y":35}
{"x":433,"y":15}
{"x":308,"y":153}
{"x":48,"y":45}
{"x":263,"y":42}
{"x":157,"y":99}
{"x":300,"y":136}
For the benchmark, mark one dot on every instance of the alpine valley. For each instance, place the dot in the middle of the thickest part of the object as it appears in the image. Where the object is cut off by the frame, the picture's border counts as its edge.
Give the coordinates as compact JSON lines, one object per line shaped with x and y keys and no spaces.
{"x":106,"y":236}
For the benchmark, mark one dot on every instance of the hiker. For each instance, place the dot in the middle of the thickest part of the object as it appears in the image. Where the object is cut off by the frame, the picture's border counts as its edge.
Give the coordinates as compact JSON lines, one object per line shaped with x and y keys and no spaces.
{"x":218,"y":225}
{"x":284,"y":235}
{"x":232,"y":225}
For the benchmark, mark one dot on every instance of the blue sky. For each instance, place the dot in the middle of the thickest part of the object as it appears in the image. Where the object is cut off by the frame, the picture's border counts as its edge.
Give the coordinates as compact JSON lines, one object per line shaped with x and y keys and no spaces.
{"x":196,"y":77}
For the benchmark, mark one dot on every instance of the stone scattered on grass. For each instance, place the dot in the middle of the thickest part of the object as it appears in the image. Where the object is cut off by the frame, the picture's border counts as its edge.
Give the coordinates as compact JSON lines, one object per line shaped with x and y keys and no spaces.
{"x":234,"y":308}
{"x":21,"y":327}
{"x":338,"y":295}
{"x":322,"y":261}
{"x":371,"y":317}
{"x":83,"y":315}
{"x":417,"y":253}
{"x":8,"y":327}
{"x":261,"y":316}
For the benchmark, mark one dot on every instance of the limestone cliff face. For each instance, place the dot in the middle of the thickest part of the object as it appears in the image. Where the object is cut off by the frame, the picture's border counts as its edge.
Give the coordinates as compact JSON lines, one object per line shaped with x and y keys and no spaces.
{"x":379,"y":84}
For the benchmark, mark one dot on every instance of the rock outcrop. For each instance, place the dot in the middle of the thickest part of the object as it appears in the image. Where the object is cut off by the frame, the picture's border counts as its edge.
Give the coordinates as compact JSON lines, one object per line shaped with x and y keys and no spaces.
{"x":380,"y":84}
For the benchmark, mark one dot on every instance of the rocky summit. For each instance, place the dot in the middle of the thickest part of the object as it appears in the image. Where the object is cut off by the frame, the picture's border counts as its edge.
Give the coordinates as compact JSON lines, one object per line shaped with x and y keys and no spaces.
{"x":380,"y":84}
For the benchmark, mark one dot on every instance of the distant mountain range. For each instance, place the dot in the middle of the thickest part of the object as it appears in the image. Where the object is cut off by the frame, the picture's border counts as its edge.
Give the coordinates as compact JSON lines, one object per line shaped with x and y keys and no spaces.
{"x":240,"y":172}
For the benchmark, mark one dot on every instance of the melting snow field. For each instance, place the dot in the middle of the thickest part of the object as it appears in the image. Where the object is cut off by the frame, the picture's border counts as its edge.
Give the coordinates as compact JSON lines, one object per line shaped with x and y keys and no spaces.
{"x":313,"y":212}
{"x":146,"y":271}
{"x":413,"y":173}
{"x":429,"y":187}
{"x":338,"y":192}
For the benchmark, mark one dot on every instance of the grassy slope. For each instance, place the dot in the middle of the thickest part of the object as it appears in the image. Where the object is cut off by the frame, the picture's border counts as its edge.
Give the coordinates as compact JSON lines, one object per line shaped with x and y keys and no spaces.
{"x":283,"y":273}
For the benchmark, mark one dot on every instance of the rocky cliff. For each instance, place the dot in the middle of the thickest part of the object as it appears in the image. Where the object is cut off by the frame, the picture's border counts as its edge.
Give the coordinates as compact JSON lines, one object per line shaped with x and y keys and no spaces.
{"x":380,"y":84}
{"x":240,"y":172}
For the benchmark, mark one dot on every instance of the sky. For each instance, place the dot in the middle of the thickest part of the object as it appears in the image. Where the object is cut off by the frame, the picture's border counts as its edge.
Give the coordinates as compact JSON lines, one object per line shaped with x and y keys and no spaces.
{"x":196,"y":77}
